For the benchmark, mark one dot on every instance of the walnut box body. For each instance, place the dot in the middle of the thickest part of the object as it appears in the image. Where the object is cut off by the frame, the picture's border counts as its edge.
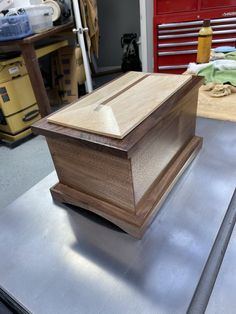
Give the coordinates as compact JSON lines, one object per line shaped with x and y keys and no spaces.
{"x":119,"y":151}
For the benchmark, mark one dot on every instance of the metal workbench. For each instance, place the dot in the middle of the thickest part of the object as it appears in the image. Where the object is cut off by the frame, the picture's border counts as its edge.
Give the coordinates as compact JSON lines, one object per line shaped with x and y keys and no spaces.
{"x":223,"y":295}
{"x":56,"y":260}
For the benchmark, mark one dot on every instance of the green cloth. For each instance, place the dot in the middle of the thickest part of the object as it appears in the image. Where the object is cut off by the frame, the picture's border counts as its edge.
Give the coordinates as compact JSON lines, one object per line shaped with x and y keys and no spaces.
{"x":230,"y":55}
{"x":216,"y":76}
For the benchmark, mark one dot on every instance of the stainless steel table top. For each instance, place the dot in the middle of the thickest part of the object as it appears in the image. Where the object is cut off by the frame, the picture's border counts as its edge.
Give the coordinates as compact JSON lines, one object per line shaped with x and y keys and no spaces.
{"x":223,"y":298}
{"x":56,"y":260}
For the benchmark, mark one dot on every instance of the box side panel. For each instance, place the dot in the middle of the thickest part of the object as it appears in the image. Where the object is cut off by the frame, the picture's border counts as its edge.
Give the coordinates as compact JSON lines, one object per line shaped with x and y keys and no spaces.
{"x":95,"y":173}
{"x":160,"y":146}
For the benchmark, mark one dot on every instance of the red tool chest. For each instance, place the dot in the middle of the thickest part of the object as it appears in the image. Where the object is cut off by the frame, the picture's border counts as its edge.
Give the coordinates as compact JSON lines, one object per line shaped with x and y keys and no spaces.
{"x":176,"y":27}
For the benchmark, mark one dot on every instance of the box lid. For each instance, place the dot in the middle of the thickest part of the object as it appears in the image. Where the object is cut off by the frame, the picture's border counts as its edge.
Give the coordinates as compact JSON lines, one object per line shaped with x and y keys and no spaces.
{"x":117,"y":108}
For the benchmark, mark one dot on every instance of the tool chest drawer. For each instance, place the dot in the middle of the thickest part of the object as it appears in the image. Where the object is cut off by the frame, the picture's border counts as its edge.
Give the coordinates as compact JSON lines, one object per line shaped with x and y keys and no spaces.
{"x":176,"y":32}
{"x":166,"y":6}
{"x":206,"y":4}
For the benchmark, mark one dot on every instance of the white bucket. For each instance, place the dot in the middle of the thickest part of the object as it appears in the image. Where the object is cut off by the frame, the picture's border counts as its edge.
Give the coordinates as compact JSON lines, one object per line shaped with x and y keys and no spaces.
{"x":21,"y":3}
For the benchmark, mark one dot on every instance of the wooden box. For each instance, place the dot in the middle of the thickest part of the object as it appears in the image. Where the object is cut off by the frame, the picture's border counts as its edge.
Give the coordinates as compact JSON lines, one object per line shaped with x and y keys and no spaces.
{"x":119,"y":151}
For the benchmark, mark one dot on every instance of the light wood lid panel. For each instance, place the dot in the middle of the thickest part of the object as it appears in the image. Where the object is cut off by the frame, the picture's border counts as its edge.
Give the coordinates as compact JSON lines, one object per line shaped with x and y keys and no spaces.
{"x":117,"y":108}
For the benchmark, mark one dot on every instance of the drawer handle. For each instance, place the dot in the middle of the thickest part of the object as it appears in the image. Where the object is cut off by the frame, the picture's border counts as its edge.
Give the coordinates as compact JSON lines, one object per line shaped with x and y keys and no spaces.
{"x":193,"y":23}
{"x":231,"y":31}
{"x":30,"y":115}
{"x":176,"y":53}
{"x":178,"y":36}
{"x":172,"y":67}
{"x":214,"y":27}
{"x":192,"y":43}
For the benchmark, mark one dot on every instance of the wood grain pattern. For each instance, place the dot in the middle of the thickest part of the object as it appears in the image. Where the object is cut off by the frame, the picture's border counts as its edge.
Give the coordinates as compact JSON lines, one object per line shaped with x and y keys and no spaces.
{"x":120,"y":111}
{"x":169,"y":176}
{"x":223,"y":108}
{"x":36,"y":79}
{"x":157,"y":148}
{"x":99,"y":174}
{"x":133,"y":224}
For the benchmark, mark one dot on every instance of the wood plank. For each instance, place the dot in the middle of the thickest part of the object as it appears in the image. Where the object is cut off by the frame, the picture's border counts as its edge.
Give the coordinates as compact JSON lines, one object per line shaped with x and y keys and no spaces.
{"x":36,"y":79}
{"x":159,"y":146}
{"x":102,"y":175}
{"x":116,"y":109}
{"x":160,"y":188}
{"x":223,"y":108}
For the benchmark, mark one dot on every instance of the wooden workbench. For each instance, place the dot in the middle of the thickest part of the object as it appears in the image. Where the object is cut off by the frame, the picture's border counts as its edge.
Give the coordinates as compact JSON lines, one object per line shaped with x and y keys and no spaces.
{"x":223,"y":108}
{"x":27,"y":47}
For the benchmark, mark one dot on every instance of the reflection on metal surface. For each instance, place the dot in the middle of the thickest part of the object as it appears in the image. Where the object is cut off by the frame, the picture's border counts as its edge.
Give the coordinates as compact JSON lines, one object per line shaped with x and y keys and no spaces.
{"x":56,"y":259}
{"x":223,"y":296}
{"x":206,"y":283}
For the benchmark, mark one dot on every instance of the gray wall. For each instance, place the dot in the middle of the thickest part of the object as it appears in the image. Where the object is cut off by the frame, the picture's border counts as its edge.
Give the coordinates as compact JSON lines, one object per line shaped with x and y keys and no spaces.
{"x":116,"y":17}
{"x":69,"y":2}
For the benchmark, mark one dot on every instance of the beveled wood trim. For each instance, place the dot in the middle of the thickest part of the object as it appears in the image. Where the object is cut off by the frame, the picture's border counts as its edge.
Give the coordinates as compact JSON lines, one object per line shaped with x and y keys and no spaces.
{"x":124,"y":90}
{"x":90,"y":202}
{"x":117,"y":146}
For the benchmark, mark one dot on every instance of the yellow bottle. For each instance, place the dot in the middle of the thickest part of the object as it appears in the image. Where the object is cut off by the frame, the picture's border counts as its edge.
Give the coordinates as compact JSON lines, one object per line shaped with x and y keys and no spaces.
{"x":204,"y":43}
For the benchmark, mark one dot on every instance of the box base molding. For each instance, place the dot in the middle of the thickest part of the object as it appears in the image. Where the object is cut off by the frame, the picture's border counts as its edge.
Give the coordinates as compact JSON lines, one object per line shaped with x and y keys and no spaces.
{"x":146,"y":210}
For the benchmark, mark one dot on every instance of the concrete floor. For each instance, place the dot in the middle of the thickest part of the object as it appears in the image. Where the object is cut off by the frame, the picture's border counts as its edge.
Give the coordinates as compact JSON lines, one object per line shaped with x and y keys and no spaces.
{"x":22,"y":167}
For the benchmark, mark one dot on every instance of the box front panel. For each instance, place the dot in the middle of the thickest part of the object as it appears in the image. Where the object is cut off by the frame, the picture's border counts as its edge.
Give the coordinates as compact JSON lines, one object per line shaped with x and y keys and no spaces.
{"x":95,"y":173}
